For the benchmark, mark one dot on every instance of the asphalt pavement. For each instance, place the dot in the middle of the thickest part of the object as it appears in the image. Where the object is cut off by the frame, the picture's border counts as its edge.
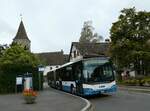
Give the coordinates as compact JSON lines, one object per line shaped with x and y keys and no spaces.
{"x":47,"y":100}
{"x":123,"y":100}
{"x":135,"y":88}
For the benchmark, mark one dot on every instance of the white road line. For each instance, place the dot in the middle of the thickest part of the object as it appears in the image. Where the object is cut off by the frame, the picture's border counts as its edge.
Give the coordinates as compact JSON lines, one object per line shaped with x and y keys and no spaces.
{"x":88,"y":103}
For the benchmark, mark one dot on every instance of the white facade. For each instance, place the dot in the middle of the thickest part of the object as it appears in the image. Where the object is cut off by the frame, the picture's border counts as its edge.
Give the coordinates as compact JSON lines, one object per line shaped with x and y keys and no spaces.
{"x":75,"y":54}
{"x":49,"y":68}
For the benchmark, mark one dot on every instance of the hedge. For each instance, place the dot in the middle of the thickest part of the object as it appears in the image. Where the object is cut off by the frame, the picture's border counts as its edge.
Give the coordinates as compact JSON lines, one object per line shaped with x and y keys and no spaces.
{"x":8,"y":79}
{"x":145,"y":81}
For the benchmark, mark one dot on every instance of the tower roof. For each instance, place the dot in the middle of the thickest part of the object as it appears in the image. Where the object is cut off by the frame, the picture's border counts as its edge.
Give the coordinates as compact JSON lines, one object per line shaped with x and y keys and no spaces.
{"x":21,"y":33}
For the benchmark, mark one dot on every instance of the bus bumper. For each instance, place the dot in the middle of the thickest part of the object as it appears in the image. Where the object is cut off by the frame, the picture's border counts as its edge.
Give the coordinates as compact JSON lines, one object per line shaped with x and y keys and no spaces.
{"x":90,"y":91}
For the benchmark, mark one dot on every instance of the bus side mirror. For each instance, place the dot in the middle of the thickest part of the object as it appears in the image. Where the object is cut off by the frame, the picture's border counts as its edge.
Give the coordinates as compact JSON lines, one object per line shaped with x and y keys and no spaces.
{"x":77,"y":81}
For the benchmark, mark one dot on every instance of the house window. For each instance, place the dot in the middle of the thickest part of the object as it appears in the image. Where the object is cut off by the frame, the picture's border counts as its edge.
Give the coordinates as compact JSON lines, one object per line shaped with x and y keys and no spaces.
{"x":77,"y":53}
{"x":74,"y":54}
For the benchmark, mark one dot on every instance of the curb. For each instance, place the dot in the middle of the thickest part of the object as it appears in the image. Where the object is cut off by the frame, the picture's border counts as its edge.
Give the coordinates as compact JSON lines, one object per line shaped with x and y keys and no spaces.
{"x":88,"y":107}
{"x":135,"y":89}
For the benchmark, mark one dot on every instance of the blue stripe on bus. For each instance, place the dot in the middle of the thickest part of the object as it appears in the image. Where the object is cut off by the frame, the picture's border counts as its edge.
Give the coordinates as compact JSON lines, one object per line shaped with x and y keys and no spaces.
{"x":89,"y":91}
{"x":66,"y":88}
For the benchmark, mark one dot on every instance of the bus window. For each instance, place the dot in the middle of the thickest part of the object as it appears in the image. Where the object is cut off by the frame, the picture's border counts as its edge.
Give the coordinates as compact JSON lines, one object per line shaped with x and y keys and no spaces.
{"x":94,"y":71}
{"x":66,"y":73}
{"x":77,"y":71}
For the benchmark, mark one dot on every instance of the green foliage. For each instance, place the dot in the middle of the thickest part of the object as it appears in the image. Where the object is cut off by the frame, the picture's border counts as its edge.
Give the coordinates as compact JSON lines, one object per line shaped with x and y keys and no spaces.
{"x":7,"y":83}
{"x":2,"y":48}
{"x":129,"y":41}
{"x":16,"y":57}
{"x":16,"y":61}
{"x":87,"y":34}
{"x":138,"y":81}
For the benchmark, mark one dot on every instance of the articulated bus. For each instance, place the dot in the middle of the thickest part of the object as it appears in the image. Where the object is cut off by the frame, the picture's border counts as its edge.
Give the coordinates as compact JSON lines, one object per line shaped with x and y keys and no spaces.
{"x":84,"y":77}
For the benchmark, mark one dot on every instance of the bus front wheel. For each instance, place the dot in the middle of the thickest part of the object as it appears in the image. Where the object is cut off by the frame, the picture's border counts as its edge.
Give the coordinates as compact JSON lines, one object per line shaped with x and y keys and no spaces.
{"x":73,"y":90}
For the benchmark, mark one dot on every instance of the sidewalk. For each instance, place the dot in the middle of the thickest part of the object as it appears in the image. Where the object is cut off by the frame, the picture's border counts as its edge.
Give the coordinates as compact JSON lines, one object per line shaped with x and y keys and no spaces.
{"x":47,"y":100}
{"x":135,"y":88}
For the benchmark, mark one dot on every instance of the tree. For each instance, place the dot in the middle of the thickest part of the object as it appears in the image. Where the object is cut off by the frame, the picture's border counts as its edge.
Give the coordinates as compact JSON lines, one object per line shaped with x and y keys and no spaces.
{"x":16,"y":57}
{"x":87,"y":34}
{"x":129,"y":40}
{"x":14,"y":61}
{"x":2,"y":48}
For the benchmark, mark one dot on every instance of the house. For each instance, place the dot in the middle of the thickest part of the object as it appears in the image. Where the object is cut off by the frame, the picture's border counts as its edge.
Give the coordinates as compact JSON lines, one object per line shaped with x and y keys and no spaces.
{"x":52,"y":60}
{"x":86,"y":50}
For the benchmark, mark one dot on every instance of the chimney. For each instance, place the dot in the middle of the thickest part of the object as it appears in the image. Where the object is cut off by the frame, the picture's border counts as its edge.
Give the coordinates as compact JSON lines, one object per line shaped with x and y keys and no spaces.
{"x":62,"y":51}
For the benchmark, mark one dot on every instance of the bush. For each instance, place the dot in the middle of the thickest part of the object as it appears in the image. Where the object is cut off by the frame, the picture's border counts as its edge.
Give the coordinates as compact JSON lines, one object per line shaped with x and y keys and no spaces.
{"x":17,"y":61}
{"x":8,"y":80}
{"x":147,"y":81}
{"x":139,"y":81}
{"x":7,"y":83}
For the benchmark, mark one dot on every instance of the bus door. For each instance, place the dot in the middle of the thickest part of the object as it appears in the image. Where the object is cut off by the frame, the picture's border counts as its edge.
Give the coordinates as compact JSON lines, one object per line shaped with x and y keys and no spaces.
{"x":79,"y":88}
{"x":78,"y":74}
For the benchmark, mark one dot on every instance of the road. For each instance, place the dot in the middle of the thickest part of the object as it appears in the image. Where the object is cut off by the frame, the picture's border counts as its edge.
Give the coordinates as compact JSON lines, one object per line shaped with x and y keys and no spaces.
{"x":47,"y":100}
{"x":122,"y":101}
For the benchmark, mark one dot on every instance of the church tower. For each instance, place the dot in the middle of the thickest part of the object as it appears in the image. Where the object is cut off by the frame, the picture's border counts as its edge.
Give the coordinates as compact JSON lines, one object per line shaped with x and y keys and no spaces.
{"x":21,"y":37}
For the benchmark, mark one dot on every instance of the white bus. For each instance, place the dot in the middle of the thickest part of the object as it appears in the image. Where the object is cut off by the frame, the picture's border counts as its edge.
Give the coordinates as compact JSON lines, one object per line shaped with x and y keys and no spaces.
{"x":84,"y":77}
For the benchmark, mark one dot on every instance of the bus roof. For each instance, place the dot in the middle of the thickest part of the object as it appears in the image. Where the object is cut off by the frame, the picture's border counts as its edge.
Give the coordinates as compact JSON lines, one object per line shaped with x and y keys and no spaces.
{"x":72,"y":62}
{"x":69,"y":63}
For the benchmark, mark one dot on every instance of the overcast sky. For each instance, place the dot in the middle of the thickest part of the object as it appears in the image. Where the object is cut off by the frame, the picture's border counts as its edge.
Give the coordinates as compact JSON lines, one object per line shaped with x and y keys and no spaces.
{"x":52,"y":25}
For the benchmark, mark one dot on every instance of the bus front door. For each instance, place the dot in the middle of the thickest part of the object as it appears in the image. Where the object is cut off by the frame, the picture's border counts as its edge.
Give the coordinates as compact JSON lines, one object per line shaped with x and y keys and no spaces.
{"x":79,"y":88}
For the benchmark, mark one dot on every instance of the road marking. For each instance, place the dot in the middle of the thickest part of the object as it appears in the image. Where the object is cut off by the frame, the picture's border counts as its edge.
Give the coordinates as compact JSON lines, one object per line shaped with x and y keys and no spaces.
{"x":88,"y":106}
{"x":88,"y":103}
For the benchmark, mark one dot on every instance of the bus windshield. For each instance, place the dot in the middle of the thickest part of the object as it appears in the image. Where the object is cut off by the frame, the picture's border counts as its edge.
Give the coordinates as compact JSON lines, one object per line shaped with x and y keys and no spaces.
{"x":97,"y":70}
